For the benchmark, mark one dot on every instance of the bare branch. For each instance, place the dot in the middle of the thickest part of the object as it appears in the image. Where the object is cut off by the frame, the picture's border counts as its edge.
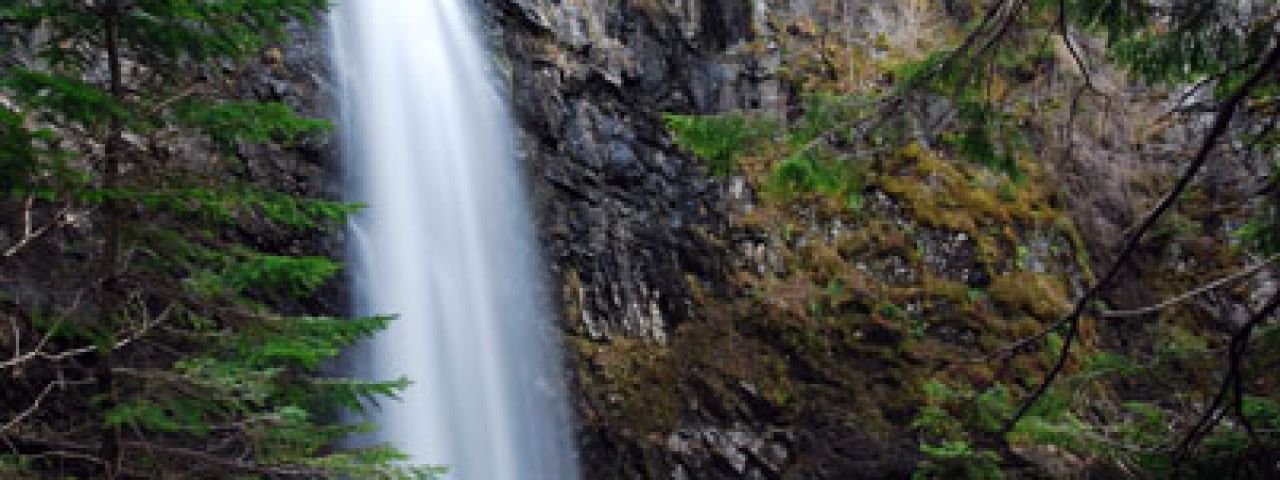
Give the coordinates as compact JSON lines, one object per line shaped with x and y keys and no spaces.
{"x":1211,"y":286}
{"x":39,"y":353}
{"x":183,"y":456}
{"x":35,"y":404}
{"x":166,"y":103}
{"x":30,"y":233}
{"x":1064,"y":30}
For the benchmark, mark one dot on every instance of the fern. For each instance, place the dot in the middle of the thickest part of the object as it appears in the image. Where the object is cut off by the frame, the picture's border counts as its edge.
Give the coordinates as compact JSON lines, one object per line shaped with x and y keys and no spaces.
{"x":719,"y":140}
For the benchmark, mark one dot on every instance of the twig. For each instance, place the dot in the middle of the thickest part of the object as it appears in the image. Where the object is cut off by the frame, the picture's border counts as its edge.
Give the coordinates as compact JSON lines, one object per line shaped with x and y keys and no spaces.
{"x":38,"y":351}
{"x":208,"y":460}
{"x":35,"y":404}
{"x":1214,"y":285}
{"x":30,"y":234}
{"x":187,"y":92}
{"x":35,"y":352}
{"x":1065,"y":31}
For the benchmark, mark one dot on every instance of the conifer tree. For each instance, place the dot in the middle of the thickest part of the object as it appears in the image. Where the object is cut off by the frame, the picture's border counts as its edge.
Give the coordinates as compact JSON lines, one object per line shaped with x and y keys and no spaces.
{"x":148,"y":332}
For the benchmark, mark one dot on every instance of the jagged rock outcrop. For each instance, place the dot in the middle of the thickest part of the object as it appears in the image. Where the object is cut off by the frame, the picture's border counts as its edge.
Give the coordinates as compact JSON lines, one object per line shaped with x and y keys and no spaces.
{"x":620,"y":209}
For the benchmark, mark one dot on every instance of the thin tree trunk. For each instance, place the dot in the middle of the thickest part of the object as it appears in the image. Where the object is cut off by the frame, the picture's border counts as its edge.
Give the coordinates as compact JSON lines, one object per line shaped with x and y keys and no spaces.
{"x":109,"y":300}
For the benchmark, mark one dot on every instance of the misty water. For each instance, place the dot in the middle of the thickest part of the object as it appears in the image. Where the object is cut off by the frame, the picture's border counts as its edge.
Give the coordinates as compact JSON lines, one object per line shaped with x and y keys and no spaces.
{"x":446,"y":244}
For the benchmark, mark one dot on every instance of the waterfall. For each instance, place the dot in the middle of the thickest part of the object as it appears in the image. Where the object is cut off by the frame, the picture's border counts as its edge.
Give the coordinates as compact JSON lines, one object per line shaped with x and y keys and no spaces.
{"x":446,"y":245}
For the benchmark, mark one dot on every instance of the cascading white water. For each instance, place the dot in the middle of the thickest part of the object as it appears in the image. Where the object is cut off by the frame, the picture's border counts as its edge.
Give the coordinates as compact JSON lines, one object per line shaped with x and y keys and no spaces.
{"x":445,"y":243}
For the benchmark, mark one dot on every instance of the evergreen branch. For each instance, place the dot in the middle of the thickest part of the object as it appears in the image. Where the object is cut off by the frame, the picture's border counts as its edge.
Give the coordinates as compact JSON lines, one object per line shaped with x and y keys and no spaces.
{"x":238,"y":466}
{"x":239,"y":402}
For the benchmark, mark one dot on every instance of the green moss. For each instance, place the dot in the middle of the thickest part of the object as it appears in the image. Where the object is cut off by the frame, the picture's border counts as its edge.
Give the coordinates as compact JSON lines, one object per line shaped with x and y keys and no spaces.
{"x":1039,"y":295}
{"x":891,"y":311}
{"x":820,"y":261}
{"x":1080,"y":250}
{"x":636,"y":382}
{"x":824,"y":335}
{"x":951,"y":291}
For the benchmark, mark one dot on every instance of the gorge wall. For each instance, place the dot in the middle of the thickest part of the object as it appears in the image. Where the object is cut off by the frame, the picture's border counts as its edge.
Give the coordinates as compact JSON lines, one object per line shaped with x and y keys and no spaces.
{"x":713,"y":333}
{"x":642,"y":241}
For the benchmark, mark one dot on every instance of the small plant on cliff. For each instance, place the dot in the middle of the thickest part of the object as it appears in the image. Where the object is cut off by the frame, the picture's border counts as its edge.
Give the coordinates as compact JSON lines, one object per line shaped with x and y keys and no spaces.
{"x":806,"y":163}
{"x":943,"y":421}
{"x":719,"y":140}
{"x":157,"y":331}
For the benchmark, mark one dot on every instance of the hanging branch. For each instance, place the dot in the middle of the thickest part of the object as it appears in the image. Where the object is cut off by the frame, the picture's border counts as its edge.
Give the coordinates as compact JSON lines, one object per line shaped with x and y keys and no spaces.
{"x":1221,"y":123}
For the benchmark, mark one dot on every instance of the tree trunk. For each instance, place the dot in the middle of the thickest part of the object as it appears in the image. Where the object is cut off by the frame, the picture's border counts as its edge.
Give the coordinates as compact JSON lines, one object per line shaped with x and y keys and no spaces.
{"x":109,"y":297}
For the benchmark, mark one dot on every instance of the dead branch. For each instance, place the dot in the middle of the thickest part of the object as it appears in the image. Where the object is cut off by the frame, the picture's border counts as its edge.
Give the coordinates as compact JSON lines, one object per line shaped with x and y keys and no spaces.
{"x":185,"y":456}
{"x":30,"y":233}
{"x":39,"y":353}
{"x":1208,"y":287}
{"x":35,"y":404}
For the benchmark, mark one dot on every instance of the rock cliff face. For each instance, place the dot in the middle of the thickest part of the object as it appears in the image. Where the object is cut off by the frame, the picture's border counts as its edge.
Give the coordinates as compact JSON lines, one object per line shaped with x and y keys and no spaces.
{"x":626,"y":219}
{"x":620,"y":209}
{"x":637,"y":234}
